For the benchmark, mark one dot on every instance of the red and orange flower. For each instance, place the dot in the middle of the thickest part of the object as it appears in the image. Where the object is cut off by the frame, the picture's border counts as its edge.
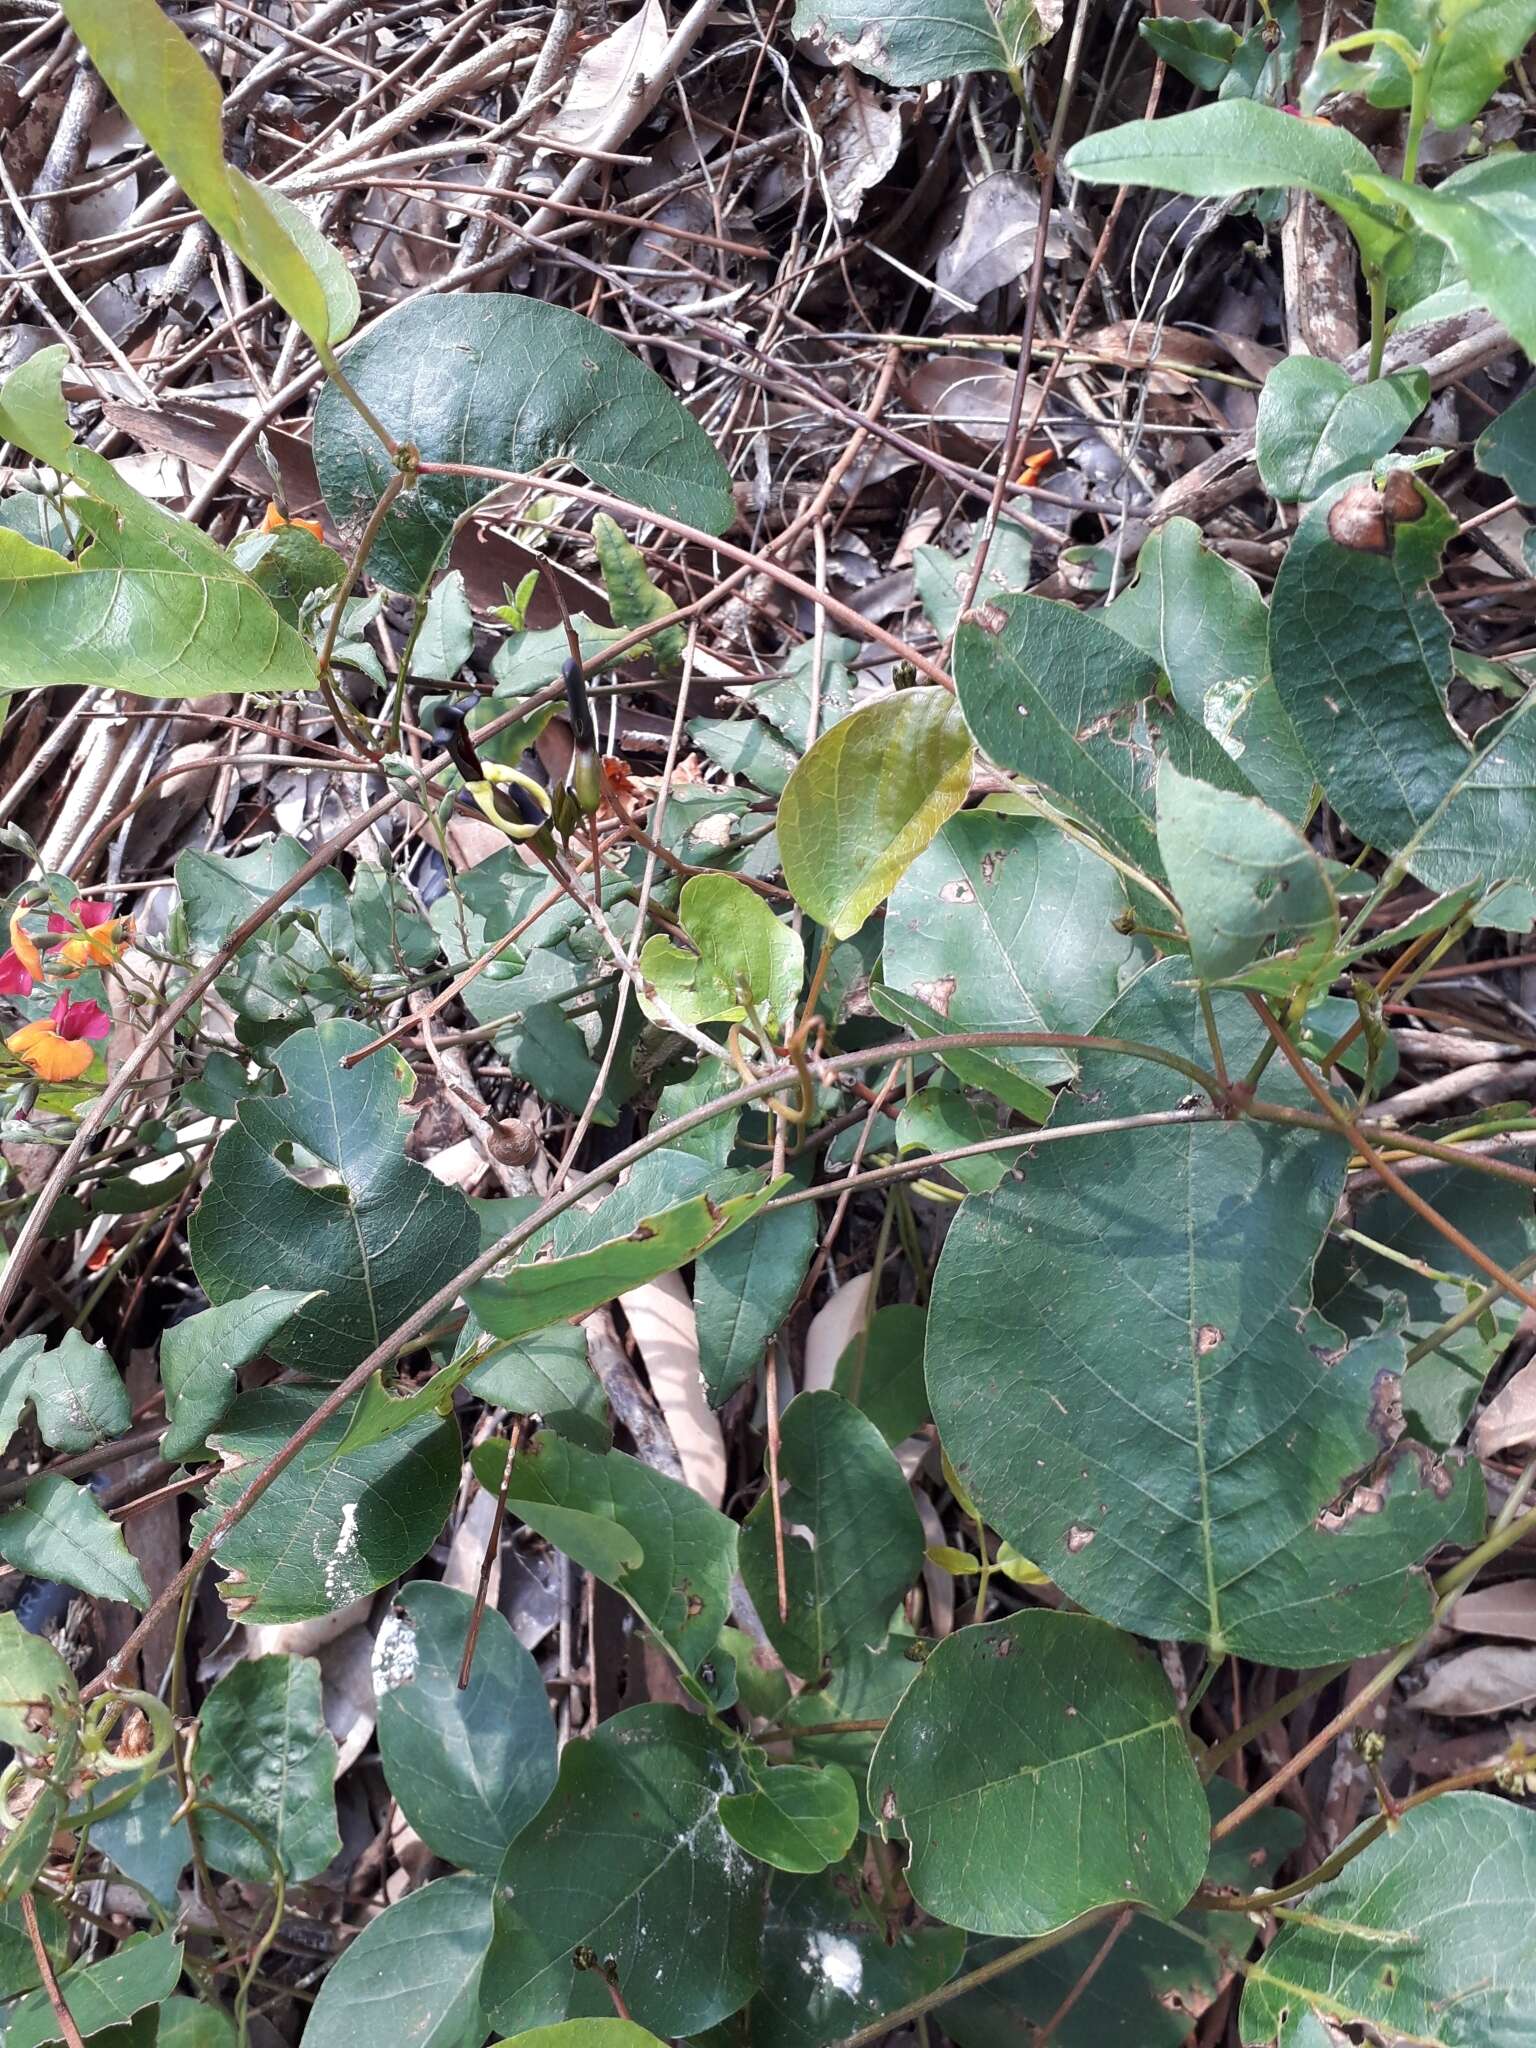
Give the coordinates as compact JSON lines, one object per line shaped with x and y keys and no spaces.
{"x":58,"y":1047}
{"x":91,"y":936}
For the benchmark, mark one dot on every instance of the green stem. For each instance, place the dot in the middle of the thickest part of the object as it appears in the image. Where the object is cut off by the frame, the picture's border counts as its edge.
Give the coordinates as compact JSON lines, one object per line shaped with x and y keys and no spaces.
{"x":359,"y":405}
{"x":1376,"y":286}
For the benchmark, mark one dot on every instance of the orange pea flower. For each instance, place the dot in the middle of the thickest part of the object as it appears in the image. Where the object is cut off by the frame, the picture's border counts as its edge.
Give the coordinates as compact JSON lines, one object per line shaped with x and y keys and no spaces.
{"x":275,"y":519}
{"x":58,"y":1047}
{"x":91,"y":936}
{"x":22,"y":964}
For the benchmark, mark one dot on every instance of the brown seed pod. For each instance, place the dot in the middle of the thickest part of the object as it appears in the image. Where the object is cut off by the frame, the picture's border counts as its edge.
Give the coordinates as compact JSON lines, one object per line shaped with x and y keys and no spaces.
{"x":1401,"y":497}
{"x":1359,"y":521}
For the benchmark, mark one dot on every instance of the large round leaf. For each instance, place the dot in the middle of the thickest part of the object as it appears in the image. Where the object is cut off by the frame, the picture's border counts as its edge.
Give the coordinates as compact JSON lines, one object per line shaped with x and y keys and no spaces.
{"x":512,"y":383}
{"x":311,"y":1190}
{"x":1038,"y":1768}
{"x":1427,"y":1936}
{"x":629,"y":1860}
{"x":325,"y":1532}
{"x":469,"y":1768}
{"x":1123,"y":1371}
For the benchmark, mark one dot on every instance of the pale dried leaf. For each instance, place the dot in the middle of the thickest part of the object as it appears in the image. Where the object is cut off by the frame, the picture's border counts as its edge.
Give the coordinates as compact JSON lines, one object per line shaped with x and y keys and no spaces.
{"x":861,"y":145}
{"x":1510,"y":1417}
{"x":995,"y":245}
{"x":1507,"y":1610}
{"x":346,"y":1693}
{"x":1487,"y":1680}
{"x":611,"y":72}
{"x":661,"y":1321}
{"x":832,"y":1328}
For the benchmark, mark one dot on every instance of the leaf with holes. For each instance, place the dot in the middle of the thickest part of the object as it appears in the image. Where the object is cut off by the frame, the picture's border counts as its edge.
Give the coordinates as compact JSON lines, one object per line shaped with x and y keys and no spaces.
{"x":324,"y":1533}
{"x":1038,"y":1769}
{"x":312,"y":1188}
{"x":1426,"y":1936}
{"x":1128,"y":1383}
{"x":511,"y":383}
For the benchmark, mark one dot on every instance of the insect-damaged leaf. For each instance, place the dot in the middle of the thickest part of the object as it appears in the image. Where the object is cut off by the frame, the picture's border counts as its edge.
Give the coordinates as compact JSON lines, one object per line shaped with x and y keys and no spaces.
{"x":675,"y":1554}
{"x":1426,"y":1936}
{"x":312,"y":1189}
{"x":512,"y":383}
{"x":1362,"y":662}
{"x":1038,"y":1768}
{"x":325,"y":1532}
{"x":1127,"y":1381}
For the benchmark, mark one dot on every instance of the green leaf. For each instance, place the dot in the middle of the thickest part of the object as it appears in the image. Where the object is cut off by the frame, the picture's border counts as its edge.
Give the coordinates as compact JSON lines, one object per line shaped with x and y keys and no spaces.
{"x":936,"y":1119}
{"x":199,"y":1360}
{"x":1426,"y":1936}
{"x":1316,"y":426}
{"x":584,"y":2034}
{"x":1234,"y":146}
{"x":414,"y":1973}
{"x":680,"y":1584}
{"x":60,"y":1531}
{"x":1489,"y":226}
{"x":75,"y":1392}
{"x":833,"y":1964}
{"x":629,"y":1860}
{"x":39,"y":1694}
{"x":469,"y":1769}
{"x":853,"y":1543}
{"x":100,"y":1995}
{"x":264,"y":1752}
{"x":795,"y":1817}
{"x":742,"y":954}
{"x":324,"y":1534}
{"x":943,"y":580}
{"x":544,"y":1291}
{"x":1126,"y":1381}
{"x":447,"y":637}
{"x":1038,"y":1769}
{"x":188,"y":2023}
{"x":311,"y":1190}
{"x":1507,"y":448}
{"x":143,"y":1843}
{"x":152,"y":626}
{"x":881,"y":1370}
{"x":1199,"y":49}
{"x":548,"y":1374}
{"x":1205,"y":623}
{"x":992,"y":1070}
{"x":1362,"y":662}
{"x":1145,"y":1992}
{"x":1478,"y":44}
{"x":173,"y":99}
{"x":1243,"y":878}
{"x":742,"y":1291}
{"x":1004,"y":924}
{"x":867,"y":799}
{"x":517,"y":383}
{"x":633,"y":598}
{"x":288,"y":565}
{"x":1056,"y":695}
{"x":908,"y":43}
{"x":18,"y":1964}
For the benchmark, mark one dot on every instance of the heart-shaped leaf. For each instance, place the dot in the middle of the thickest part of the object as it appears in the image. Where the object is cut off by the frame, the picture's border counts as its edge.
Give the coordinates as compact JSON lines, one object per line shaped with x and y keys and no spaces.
{"x":512,"y":383}
{"x":867,"y":799}
{"x":1038,"y":1769}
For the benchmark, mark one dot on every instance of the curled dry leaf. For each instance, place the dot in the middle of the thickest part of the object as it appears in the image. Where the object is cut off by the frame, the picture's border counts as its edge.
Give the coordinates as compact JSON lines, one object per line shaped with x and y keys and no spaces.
{"x":1510,"y":1417}
{"x":661,"y":1321}
{"x":1487,"y":1680}
{"x":860,"y":146}
{"x":610,"y":73}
